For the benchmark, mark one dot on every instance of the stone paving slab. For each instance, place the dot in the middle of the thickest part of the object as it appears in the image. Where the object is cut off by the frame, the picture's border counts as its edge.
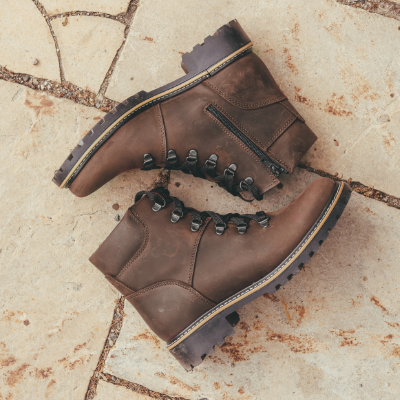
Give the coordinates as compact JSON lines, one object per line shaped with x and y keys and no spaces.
{"x":332,"y":332}
{"x":55,"y":308}
{"x":337,"y":64}
{"x":106,"y":6}
{"x":25,"y":37}
{"x":108,"y":391}
{"x":88,"y":46}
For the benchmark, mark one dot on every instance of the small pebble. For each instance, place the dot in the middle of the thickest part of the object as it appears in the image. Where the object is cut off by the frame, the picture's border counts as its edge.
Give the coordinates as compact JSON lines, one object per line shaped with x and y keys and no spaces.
{"x":117,"y":217}
{"x":35,"y":61}
{"x":42,"y":87}
{"x":26,"y":322}
{"x":35,"y":82}
{"x":336,"y":142}
{"x":115,"y":206}
{"x":26,"y":78}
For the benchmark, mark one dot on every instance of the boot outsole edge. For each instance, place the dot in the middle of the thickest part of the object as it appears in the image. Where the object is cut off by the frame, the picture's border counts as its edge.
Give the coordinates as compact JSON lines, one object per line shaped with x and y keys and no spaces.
{"x":197,"y":341}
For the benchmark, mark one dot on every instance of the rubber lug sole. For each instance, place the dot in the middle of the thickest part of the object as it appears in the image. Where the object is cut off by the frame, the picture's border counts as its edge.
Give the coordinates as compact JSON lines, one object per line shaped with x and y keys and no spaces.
{"x":228,"y":44}
{"x":197,"y":341}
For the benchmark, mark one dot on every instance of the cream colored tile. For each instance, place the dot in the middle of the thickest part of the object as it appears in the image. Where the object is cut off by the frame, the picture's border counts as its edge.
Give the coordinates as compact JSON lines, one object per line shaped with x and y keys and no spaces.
{"x":55,"y":307}
{"x":108,"y":391}
{"x":24,"y":38}
{"x":88,"y":46}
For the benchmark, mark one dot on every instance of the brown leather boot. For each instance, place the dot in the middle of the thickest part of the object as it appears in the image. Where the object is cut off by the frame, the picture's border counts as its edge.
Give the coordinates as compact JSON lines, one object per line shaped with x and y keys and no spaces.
{"x":226,"y":120}
{"x":187,"y":272}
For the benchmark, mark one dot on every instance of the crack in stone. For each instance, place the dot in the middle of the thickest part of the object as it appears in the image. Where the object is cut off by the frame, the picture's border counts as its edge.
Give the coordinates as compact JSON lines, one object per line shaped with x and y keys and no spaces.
{"x":358,"y":187}
{"x":384,"y":8}
{"x":137,"y":388}
{"x":113,"y":334}
{"x":123,"y":18}
{"x":65,"y":90}
{"x":43,"y":11}
{"x":127,"y":17}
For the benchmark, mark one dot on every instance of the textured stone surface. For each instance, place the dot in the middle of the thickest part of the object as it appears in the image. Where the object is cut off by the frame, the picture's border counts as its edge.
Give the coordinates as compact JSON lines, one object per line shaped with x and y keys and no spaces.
{"x":332,"y":332}
{"x":55,"y":308}
{"x":24,"y":37}
{"x":88,"y":46}
{"x":107,"y":6}
{"x":337,"y":64}
{"x":108,"y":391}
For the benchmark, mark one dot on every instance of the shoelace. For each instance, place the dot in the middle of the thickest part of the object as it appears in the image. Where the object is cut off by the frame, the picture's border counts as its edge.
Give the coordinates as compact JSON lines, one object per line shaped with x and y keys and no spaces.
{"x":225,"y":180}
{"x":161,"y":198}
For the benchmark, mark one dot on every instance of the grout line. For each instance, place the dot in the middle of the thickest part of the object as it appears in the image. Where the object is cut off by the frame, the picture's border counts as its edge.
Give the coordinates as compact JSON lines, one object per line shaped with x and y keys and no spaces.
{"x":162,"y":179}
{"x":384,"y":8}
{"x":43,"y":11}
{"x":64,"y":90}
{"x":112,"y":337}
{"x":358,"y":187}
{"x":137,"y":388}
{"x":118,"y":17}
{"x":127,"y":17}
{"x":113,"y":333}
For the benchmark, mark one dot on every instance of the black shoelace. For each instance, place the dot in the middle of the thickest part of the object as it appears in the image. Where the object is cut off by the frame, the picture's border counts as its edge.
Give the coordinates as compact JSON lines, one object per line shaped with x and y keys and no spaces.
{"x":161,"y":198}
{"x":225,"y":180}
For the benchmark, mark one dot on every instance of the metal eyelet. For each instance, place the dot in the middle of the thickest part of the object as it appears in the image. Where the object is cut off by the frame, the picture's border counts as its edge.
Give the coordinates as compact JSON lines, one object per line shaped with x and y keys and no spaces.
{"x":157,"y":206}
{"x":192,"y":157}
{"x":148,"y":160}
{"x":212,"y":160}
{"x":242,"y":229}
{"x":196,"y":224}
{"x":176,"y":216}
{"x":265,"y":222}
{"x":220,"y":228}
{"x":171,"y":157}
{"x":248,"y":181}
{"x":231,"y":170}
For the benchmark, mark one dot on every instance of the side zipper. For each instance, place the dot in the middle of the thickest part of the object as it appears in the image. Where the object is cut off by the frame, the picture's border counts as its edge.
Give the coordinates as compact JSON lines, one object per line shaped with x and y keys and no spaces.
{"x":275,"y":168}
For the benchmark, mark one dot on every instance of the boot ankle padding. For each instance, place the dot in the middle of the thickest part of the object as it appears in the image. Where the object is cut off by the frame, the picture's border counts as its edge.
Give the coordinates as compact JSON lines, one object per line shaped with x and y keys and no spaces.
{"x":122,"y":244}
{"x":169,"y":307}
{"x":246,"y":83}
{"x":143,"y":248}
{"x":289,"y":149}
{"x":261,"y":111}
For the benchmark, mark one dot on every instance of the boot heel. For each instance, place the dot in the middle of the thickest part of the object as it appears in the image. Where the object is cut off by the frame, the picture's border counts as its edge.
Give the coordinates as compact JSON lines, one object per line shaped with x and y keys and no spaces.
{"x":192,"y":350}
{"x":230,"y":41}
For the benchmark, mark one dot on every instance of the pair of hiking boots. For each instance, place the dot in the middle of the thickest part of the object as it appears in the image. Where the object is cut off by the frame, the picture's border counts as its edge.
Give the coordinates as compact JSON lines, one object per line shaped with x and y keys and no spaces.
{"x":187,"y":272}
